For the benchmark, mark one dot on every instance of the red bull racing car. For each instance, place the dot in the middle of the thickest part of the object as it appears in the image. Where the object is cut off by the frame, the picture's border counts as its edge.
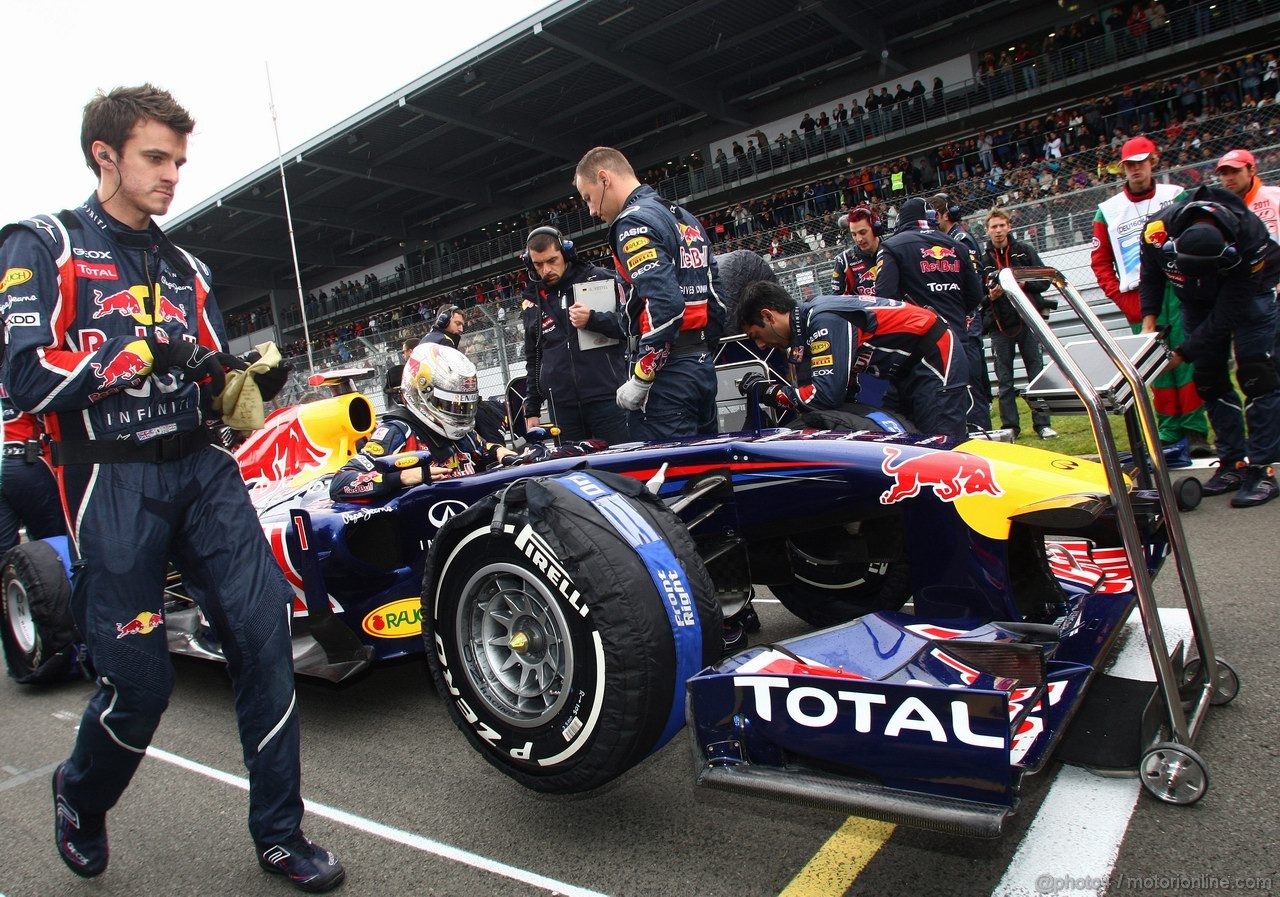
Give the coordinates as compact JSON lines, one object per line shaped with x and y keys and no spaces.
{"x":570,"y":610}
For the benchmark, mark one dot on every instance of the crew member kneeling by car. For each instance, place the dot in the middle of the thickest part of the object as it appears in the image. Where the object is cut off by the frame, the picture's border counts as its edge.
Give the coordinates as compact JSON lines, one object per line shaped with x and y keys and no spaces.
{"x":431,"y":435}
{"x":841,"y":336}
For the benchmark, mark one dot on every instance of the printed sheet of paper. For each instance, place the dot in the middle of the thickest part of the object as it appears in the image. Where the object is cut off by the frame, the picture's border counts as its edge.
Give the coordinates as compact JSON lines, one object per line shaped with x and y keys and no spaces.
{"x":598,"y":295}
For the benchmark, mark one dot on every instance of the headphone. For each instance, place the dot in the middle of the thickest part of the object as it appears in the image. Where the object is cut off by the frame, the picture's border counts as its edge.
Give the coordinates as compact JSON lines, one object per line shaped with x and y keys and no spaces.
{"x":446,"y":314}
{"x":565,"y":246}
{"x":1223,"y":219}
{"x":951,"y":208}
{"x":106,"y":157}
{"x":864,"y":211}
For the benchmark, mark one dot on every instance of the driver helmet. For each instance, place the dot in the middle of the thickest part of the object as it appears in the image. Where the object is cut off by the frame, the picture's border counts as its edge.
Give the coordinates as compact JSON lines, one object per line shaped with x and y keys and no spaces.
{"x":439,"y":387}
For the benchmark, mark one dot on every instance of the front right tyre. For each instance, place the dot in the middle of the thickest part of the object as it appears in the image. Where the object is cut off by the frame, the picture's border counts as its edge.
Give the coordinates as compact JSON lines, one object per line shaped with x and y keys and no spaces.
{"x":40,"y":639}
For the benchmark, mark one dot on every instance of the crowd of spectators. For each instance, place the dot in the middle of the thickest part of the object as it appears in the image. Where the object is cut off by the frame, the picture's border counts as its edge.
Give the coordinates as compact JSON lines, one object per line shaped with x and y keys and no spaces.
{"x":1193,"y":118}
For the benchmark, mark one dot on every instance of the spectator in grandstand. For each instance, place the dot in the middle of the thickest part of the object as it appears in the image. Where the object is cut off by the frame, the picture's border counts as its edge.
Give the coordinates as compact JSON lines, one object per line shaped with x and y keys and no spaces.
{"x":854,"y":273}
{"x":672,"y":314}
{"x":920,"y":265}
{"x":1116,"y":263}
{"x":577,"y":379}
{"x":1009,"y":333}
{"x":391,"y":385}
{"x":1221,"y":263}
{"x":447,"y":328}
{"x":951,"y":222}
{"x":1238,"y":172}
{"x":842,"y":336}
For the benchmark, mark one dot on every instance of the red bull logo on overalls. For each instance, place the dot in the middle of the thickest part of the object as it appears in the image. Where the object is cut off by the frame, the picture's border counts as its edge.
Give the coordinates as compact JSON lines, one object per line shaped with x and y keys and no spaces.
{"x":122,"y":302}
{"x":124,"y":368}
{"x":950,"y":475}
{"x":142,"y":624}
{"x":170,"y":311}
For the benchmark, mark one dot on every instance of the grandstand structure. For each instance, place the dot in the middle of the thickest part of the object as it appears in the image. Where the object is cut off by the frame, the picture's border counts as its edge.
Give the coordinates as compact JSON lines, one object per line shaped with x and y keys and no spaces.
{"x":432,"y":188}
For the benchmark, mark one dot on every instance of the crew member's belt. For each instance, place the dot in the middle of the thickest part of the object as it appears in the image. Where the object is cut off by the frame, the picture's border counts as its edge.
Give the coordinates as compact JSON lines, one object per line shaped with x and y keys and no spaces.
{"x":28,"y":451}
{"x":686,"y":343}
{"x":95,"y":451}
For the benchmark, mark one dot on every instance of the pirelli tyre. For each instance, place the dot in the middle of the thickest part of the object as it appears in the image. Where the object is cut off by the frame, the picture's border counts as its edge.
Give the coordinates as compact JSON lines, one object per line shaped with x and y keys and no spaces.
{"x":40,"y":639}
{"x":840,"y":575}
{"x":562,"y":618}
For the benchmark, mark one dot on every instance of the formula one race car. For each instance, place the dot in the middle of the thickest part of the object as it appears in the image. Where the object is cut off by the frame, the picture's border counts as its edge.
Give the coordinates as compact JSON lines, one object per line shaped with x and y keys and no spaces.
{"x":563,"y":605}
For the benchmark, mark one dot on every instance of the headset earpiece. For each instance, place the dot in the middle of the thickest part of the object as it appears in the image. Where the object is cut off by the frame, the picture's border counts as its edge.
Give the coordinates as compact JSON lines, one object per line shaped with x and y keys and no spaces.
{"x":878,"y":226}
{"x":565,"y":246}
{"x":105,"y":157}
{"x":445,"y":316}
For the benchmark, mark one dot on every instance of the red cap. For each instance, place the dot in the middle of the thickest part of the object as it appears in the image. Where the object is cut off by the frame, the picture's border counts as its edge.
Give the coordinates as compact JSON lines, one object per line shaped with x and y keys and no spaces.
{"x":1136,"y":149}
{"x":1235,"y":159}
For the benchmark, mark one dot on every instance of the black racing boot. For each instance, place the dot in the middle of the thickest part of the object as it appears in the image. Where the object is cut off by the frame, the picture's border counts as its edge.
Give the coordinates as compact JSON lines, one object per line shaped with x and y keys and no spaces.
{"x":1228,"y":478}
{"x":1258,"y":488}
{"x":81,"y":839}
{"x":308,"y":866}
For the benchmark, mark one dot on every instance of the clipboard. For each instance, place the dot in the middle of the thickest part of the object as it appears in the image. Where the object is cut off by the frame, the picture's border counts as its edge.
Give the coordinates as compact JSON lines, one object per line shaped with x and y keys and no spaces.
{"x":597,"y":295}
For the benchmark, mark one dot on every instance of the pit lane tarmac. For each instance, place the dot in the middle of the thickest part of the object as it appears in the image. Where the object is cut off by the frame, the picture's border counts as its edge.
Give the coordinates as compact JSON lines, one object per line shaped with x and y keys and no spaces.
{"x":396,"y":791}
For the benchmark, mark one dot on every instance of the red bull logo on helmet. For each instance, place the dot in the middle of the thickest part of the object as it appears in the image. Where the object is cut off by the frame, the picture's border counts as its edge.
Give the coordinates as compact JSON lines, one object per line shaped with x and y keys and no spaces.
{"x":950,"y":475}
{"x":142,"y":624}
{"x":124,"y":368}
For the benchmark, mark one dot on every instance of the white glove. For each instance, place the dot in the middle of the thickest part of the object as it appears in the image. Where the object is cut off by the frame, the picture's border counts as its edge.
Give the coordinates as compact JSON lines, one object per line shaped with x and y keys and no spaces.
{"x":634,"y":394}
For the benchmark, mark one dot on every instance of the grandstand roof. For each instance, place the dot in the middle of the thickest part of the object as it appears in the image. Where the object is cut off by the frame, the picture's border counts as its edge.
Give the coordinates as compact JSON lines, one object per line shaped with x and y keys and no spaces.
{"x":498,"y":129}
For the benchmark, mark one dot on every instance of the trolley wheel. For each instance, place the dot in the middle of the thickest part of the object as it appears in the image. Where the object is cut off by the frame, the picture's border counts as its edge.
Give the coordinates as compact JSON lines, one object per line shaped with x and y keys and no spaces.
{"x":1188,"y":491}
{"x":1225,"y":687}
{"x":1174,"y":773}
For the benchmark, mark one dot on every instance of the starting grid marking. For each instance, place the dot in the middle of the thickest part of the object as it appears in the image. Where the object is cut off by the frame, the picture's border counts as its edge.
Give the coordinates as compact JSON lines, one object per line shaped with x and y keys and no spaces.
{"x":389,"y":833}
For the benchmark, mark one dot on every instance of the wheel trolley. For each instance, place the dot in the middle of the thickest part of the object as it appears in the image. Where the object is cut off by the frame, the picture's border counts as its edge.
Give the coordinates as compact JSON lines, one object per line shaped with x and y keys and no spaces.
{"x":1108,"y":375}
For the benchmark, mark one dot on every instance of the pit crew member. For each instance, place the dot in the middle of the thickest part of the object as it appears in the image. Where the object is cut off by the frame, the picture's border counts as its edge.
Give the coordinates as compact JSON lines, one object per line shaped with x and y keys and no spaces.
{"x":841,"y":336}
{"x":951,"y":222}
{"x":924,"y":267}
{"x":672,"y":314}
{"x":431,"y":435}
{"x":1223,"y":267}
{"x":579,"y":384}
{"x":28,"y":491}
{"x":855,"y":268}
{"x":115,"y":337}
{"x":446,"y":329}
{"x":1116,"y":262}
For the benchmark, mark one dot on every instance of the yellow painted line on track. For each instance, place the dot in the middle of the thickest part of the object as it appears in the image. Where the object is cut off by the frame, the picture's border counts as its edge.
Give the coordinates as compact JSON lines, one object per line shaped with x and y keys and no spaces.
{"x":837,"y":863}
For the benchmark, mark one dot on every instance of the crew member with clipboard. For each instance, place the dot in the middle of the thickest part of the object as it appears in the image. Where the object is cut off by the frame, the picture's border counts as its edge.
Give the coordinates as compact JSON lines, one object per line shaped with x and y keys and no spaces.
{"x":575,"y":358}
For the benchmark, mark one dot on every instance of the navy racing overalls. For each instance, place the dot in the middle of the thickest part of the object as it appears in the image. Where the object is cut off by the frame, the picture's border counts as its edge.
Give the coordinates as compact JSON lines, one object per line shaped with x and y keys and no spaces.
{"x":142,"y":486}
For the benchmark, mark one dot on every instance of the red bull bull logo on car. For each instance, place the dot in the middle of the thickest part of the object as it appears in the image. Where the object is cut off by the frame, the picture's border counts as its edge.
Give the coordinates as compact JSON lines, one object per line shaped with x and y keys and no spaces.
{"x":951,"y":475}
{"x":122,"y":302}
{"x":124,"y":368}
{"x":142,"y":624}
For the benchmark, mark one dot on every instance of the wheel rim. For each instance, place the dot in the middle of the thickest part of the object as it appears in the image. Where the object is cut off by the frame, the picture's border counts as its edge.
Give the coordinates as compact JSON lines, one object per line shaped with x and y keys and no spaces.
{"x":21,"y":623}
{"x":515,"y":645}
{"x":1173,"y":775}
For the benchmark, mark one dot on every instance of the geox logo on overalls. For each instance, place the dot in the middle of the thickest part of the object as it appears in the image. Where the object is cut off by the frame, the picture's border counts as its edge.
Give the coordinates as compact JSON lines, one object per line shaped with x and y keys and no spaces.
{"x":539,"y":553}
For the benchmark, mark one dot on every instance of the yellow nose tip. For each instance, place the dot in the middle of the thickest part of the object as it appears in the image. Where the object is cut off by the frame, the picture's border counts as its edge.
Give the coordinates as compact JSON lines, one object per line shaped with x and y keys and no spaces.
{"x":519,"y":643}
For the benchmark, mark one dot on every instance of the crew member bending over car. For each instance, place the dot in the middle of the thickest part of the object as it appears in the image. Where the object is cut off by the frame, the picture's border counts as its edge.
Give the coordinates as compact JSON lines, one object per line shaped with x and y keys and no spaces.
{"x":1222,"y":265}
{"x":432,"y":434}
{"x":841,"y":336}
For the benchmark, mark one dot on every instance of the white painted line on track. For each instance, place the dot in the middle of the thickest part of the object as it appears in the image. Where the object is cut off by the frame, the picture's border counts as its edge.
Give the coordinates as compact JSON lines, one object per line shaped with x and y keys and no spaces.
{"x":388,"y":833}
{"x":1072,"y":844}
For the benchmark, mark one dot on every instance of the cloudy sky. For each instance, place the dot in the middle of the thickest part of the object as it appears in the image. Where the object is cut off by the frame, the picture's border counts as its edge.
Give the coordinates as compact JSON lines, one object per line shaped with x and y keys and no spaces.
{"x":327,"y":61}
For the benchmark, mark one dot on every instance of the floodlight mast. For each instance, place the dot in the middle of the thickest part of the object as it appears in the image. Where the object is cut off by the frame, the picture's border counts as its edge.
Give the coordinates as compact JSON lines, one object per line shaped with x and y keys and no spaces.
{"x":288,"y":217}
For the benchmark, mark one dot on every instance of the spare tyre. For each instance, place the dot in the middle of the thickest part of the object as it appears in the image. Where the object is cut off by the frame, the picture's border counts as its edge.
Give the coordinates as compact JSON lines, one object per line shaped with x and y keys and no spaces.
{"x":41,"y":643}
{"x":562,"y":617}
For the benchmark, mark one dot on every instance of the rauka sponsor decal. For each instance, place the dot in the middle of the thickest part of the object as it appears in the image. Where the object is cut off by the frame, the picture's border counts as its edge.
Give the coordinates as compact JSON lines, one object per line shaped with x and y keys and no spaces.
{"x":395,"y":619}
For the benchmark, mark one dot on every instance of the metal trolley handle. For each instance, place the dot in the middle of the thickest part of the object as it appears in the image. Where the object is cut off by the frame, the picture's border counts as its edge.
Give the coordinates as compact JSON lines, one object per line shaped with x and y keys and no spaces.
{"x":1183,"y":726}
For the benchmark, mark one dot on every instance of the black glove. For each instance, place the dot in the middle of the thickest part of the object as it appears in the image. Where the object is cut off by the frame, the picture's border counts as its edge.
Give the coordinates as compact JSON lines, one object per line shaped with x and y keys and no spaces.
{"x":770,"y":392}
{"x":533,"y":451}
{"x":197,"y":363}
{"x":270,"y":381}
